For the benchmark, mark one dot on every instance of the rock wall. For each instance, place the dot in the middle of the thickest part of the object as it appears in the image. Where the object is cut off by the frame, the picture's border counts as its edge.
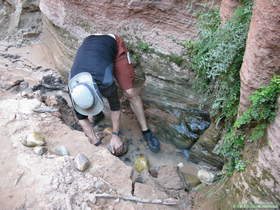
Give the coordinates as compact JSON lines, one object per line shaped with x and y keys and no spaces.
{"x":20,"y":20}
{"x":261,"y":62}
{"x":154,"y":32}
{"x":262,"y":57}
{"x":151,"y":21}
{"x":260,"y":182}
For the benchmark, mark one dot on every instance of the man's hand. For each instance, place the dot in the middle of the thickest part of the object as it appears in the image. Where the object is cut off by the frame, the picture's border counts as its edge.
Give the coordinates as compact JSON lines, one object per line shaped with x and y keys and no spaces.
{"x":116,"y":145}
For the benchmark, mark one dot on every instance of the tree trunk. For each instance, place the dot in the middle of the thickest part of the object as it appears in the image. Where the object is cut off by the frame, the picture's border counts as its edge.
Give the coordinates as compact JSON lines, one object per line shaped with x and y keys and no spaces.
{"x":227,"y":9}
{"x":262,"y":55}
{"x":260,"y":182}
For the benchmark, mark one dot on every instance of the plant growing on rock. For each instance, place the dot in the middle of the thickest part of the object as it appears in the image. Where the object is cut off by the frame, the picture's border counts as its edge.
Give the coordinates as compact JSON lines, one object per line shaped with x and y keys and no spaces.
{"x":251,"y":125}
{"x":216,"y":58}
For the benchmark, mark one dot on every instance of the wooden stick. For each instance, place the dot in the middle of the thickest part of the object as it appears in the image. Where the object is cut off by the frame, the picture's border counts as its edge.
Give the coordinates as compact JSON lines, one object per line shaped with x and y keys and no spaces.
{"x":168,"y":202}
{"x":46,"y":109}
{"x":182,"y":178}
{"x":19,"y":178}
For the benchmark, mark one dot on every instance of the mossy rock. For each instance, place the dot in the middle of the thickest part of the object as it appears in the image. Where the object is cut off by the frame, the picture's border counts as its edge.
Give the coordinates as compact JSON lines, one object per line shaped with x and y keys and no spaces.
{"x":192,"y":180}
{"x":141,"y":164}
{"x":33,"y":139}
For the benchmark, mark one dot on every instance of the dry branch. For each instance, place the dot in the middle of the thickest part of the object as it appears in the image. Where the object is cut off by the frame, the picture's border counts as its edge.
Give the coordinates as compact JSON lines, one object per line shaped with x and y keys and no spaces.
{"x":168,"y":202}
{"x":45,"y":109}
{"x":187,"y":187}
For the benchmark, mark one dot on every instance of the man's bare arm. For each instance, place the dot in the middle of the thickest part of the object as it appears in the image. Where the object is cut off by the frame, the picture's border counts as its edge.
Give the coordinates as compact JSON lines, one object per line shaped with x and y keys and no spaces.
{"x":116,"y":142}
{"x":88,"y":130}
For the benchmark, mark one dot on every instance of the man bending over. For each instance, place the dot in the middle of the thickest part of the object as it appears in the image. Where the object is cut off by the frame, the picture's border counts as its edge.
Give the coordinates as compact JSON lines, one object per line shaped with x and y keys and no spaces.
{"x":99,"y":60}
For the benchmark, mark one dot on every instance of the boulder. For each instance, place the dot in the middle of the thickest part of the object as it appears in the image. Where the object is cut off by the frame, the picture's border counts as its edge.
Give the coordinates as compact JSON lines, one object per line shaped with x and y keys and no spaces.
{"x":141,"y":163}
{"x":39,"y":150}
{"x":202,"y":150}
{"x":33,"y":139}
{"x":205,"y":176}
{"x":61,"y":151}
{"x":192,"y":180}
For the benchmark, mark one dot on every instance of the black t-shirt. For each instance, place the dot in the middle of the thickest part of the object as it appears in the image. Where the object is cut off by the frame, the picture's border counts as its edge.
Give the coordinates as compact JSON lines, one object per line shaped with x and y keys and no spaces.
{"x":96,"y":55}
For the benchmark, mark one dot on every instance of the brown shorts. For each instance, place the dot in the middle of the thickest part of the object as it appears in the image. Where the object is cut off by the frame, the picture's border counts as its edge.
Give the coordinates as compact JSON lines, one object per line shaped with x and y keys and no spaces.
{"x":123,"y":70}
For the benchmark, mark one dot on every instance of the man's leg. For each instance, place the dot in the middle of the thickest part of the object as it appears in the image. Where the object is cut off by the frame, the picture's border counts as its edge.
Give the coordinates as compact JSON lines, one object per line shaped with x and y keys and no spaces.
{"x":136,"y":105}
{"x":124,"y":73}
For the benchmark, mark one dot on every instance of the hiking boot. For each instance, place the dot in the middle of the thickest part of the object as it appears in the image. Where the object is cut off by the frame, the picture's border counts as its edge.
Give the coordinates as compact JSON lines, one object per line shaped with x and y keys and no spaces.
{"x":152,"y":141}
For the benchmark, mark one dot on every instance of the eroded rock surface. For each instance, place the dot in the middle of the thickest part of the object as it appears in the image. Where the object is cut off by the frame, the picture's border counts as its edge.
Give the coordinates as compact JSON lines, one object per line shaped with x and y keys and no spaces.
{"x":19,"y":20}
{"x":203,"y":149}
{"x":150,"y":21}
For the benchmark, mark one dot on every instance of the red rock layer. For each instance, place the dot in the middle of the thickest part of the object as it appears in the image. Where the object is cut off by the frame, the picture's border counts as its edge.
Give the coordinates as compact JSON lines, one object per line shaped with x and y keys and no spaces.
{"x":261,"y":62}
{"x":163,"y":24}
{"x":262,"y":55}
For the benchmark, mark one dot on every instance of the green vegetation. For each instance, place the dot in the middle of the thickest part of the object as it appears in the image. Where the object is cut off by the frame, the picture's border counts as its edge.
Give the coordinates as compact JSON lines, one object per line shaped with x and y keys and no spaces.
{"x":262,"y":105}
{"x":251,"y":124}
{"x":216,"y":59}
{"x":143,"y":46}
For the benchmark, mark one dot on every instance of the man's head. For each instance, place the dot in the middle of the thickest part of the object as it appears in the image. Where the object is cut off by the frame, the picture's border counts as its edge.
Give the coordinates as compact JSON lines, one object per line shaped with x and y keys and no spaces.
{"x":85,"y":95}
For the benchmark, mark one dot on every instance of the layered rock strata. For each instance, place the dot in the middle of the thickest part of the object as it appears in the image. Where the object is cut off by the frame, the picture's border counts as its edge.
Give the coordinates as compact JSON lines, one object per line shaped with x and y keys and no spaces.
{"x":154,"y":32}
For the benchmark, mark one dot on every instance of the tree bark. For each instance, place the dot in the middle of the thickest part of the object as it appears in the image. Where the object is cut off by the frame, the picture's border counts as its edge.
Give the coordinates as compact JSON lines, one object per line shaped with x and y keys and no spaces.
{"x":262,"y":54}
